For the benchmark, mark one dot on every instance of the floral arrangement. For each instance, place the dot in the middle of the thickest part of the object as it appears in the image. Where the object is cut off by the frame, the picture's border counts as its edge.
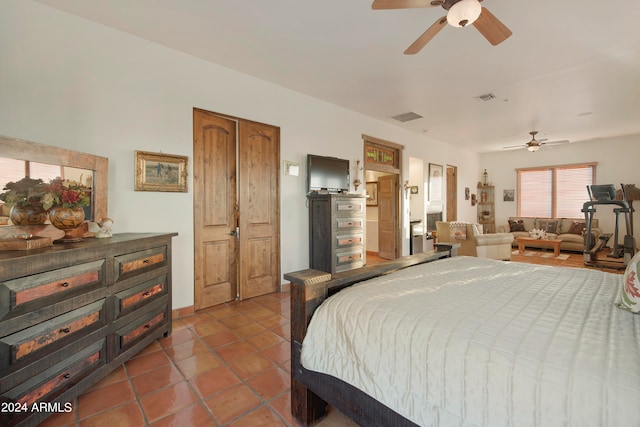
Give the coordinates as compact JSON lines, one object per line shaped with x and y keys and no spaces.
{"x":538,"y":233}
{"x":65,"y":193}
{"x":24,"y":192}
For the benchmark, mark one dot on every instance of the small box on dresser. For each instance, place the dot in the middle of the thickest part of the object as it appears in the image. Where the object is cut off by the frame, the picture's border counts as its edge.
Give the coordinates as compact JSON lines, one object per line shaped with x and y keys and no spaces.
{"x":71,"y":313}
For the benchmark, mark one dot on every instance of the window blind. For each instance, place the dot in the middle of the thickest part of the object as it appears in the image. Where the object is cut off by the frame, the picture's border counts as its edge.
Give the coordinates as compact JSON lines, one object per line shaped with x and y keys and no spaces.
{"x":554,"y":191}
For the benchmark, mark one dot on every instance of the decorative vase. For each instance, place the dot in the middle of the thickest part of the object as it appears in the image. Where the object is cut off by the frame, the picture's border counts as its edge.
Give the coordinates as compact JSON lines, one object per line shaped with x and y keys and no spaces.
{"x":27,"y":215}
{"x":67,"y":220}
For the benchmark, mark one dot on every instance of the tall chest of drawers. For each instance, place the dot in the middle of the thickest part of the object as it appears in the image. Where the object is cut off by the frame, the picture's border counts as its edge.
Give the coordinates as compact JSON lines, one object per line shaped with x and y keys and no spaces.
{"x":336,"y":232}
{"x":71,"y":313}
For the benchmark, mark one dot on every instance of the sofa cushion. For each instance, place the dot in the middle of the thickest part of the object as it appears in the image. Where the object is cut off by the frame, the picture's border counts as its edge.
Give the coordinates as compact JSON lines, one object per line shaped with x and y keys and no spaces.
{"x":570,"y":237}
{"x":548,"y":225}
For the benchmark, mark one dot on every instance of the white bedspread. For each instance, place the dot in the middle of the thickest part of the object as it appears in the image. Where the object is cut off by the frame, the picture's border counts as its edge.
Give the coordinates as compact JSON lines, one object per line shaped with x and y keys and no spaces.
{"x":477,"y":342}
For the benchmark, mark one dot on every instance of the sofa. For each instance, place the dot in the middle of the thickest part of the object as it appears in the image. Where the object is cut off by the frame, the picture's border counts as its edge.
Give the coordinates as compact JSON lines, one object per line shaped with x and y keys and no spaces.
{"x":473,"y":242}
{"x":569,"y":230}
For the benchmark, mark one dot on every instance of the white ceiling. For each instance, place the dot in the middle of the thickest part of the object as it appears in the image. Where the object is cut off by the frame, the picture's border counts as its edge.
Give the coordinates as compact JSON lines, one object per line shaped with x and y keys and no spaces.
{"x":571,"y":69}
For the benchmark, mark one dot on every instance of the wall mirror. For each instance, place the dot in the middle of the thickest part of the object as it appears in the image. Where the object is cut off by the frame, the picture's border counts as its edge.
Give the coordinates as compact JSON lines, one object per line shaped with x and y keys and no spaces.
{"x":46,"y":160}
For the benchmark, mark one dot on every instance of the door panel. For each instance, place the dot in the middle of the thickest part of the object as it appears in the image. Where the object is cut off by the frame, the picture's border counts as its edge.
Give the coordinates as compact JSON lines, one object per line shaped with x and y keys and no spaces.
{"x":259,"y":216}
{"x":452,"y":193}
{"x":214,"y":195}
{"x":387,"y":216}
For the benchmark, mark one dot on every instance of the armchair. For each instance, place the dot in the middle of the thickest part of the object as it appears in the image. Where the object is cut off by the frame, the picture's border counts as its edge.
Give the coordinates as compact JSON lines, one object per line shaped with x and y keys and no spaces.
{"x":473,"y":242}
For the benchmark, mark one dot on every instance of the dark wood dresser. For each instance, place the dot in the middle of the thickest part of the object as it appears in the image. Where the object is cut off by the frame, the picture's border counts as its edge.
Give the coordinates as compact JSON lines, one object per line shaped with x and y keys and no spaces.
{"x":71,"y":313}
{"x":336,"y":232}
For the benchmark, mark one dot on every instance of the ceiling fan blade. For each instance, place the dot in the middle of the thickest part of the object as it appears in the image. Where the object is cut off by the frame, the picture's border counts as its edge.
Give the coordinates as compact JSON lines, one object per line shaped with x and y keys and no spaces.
{"x":514,"y":147}
{"x":426,"y":37}
{"x":491,"y":27}
{"x":564,"y":141}
{"x":400,"y":4}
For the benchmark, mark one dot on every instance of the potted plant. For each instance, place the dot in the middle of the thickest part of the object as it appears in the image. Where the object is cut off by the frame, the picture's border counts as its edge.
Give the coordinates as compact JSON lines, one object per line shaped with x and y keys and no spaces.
{"x":24,"y":198}
{"x":65,"y":199}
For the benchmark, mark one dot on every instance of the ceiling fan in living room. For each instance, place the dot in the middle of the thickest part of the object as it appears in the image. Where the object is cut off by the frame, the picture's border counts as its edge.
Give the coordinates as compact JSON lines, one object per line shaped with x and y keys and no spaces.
{"x":460,"y":13}
{"x":535,"y":144}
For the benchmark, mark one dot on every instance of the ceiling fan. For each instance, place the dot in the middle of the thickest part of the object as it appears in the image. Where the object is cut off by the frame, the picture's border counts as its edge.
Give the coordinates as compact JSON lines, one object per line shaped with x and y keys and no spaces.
{"x":535,"y":144}
{"x":460,"y":13}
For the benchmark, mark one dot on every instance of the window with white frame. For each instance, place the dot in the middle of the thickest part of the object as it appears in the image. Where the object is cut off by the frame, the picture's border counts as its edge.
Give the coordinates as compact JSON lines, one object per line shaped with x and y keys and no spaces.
{"x":554,"y":191}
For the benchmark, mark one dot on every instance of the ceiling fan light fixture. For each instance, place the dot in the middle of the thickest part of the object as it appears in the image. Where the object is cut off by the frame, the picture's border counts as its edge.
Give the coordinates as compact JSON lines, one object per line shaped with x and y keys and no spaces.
{"x":464,"y":13}
{"x":533,"y":148}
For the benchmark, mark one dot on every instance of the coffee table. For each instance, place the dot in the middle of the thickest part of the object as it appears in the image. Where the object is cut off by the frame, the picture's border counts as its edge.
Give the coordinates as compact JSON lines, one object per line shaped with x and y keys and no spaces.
{"x":554,"y":243}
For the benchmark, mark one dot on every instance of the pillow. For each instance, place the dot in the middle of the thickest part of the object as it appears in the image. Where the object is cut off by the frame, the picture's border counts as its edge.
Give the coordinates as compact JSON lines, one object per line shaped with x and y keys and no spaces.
{"x":516,"y":225}
{"x":631,"y":286}
{"x":458,"y":230}
{"x":548,"y":225}
{"x":577,"y":228}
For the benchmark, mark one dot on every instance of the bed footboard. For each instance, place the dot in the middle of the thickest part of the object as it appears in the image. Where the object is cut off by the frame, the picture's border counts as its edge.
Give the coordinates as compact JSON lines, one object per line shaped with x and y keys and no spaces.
{"x":312,"y":391}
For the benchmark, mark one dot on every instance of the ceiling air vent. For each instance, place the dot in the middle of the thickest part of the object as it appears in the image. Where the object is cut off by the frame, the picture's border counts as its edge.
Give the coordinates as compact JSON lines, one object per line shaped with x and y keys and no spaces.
{"x":486,"y":97}
{"x":406,"y":117}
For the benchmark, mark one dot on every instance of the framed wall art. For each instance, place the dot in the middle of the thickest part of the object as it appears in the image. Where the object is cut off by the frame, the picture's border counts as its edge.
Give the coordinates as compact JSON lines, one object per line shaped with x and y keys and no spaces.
{"x":160,"y":172}
{"x":372,"y":193}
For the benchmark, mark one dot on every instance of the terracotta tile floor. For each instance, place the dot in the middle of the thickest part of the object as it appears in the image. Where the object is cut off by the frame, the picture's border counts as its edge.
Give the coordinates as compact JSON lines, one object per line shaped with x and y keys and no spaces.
{"x":224,"y":366}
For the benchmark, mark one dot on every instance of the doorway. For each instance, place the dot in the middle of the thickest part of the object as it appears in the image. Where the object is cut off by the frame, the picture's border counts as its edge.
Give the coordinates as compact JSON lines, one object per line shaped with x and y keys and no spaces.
{"x":382,"y":175}
{"x":236,"y":208}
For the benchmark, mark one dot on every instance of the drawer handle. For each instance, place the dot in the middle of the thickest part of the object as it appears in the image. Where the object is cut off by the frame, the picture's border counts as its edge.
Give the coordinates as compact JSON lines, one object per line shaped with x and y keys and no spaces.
{"x":64,"y":284}
{"x":146,"y":261}
{"x":146,"y":294}
{"x":147,"y":326}
{"x":67,"y":376}
{"x":65,"y":330}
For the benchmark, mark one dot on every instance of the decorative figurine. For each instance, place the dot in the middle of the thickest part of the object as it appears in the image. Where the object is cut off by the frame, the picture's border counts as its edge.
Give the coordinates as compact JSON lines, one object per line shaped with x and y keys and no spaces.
{"x":106,"y":225}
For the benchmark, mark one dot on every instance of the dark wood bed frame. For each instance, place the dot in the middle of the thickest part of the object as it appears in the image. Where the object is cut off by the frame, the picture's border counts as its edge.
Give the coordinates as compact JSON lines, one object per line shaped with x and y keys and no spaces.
{"x":311,"y":392}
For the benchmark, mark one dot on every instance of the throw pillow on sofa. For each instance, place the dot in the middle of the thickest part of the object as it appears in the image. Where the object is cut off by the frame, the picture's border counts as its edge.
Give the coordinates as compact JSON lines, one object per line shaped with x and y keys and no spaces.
{"x":577,"y":228}
{"x":516,"y":225}
{"x":548,"y":225}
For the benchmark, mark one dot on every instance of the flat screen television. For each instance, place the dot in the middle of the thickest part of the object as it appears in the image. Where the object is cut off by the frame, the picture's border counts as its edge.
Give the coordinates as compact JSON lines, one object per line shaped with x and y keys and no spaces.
{"x":328,"y":174}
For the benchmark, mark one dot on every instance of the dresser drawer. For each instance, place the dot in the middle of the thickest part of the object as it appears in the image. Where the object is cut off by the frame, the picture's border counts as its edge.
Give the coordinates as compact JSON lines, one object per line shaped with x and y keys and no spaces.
{"x":350,"y":207}
{"x":39,"y":290}
{"x":140,"y":328}
{"x":133,"y":298}
{"x":349,"y":223}
{"x":136,"y":263}
{"x":37,"y":340}
{"x":348,"y":258}
{"x":349,"y":240}
{"x":47,"y":385}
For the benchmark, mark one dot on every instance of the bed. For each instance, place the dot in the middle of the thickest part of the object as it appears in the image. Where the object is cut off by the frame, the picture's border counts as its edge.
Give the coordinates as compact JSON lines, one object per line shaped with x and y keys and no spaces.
{"x":432,"y":340}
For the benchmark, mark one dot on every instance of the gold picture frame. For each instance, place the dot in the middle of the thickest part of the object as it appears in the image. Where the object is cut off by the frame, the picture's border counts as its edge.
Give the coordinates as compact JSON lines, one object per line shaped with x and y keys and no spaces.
{"x":161,"y":172}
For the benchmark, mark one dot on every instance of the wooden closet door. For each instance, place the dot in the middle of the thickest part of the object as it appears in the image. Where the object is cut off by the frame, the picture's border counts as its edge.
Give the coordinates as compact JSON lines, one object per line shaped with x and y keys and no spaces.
{"x":214,"y":205}
{"x":259,"y":201}
{"x":387,"y":203}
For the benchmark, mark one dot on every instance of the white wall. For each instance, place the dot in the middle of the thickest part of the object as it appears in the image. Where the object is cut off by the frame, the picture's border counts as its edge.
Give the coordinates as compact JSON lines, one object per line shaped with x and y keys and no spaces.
{"x":617,"y":160}
{"x":72,"y":83}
